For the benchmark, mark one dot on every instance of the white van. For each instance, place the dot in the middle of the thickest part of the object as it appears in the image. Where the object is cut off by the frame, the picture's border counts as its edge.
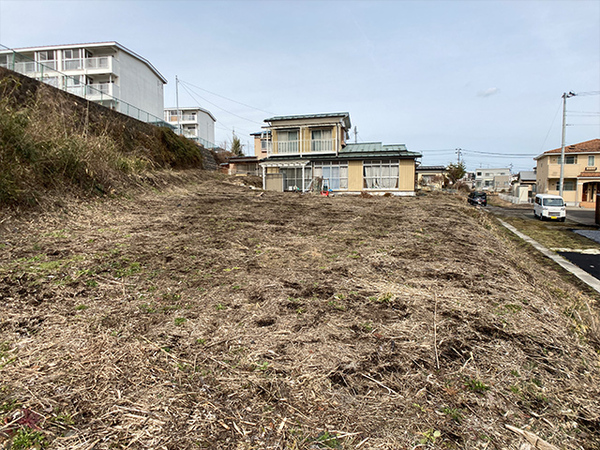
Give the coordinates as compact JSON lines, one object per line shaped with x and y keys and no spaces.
{"x":546,"y":206}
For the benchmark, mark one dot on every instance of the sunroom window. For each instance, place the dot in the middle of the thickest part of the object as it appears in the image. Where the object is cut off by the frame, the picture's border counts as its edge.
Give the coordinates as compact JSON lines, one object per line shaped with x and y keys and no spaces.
{"x":381,"y":174}
{"x":333,"y":174}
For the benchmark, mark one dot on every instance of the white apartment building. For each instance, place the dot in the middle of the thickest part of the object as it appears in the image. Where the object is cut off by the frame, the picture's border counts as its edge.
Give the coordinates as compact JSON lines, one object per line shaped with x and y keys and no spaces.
{"x":103,"y":72}
{"x":196,"y":123}
{"x":493,"y":179}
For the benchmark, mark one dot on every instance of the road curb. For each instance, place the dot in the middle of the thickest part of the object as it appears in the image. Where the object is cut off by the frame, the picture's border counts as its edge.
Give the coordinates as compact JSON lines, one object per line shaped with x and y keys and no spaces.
{"x":579,"y":273}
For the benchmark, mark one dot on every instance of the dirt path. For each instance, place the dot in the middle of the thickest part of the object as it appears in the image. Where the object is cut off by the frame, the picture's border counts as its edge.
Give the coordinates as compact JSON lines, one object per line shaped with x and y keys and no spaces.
{"x":214,"y":316}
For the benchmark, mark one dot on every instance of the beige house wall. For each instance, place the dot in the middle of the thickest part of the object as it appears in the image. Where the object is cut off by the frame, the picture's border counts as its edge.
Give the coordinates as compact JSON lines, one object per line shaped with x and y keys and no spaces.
{"x":407,"y":175}
{"x":355,"y":175}
{"x":548,"y":174}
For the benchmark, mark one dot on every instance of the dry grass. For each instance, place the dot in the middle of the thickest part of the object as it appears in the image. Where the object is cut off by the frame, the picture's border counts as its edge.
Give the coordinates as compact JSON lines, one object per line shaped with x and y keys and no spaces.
{"x":207,"y":316}
{"x":54,"y":142}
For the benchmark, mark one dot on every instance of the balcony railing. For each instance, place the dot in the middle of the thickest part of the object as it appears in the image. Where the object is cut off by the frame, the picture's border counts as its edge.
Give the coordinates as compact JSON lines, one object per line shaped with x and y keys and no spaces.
{"x":93,"y":91}
{"x":184,"y":118}
{"x":299,"y":146}
{"x":284,"y":147}
{"x":101,"y":62}
{"x":321,"y":145}
{"x":29,"y":67}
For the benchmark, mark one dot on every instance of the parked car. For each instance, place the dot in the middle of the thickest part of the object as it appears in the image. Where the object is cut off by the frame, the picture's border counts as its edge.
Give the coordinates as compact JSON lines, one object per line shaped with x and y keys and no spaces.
{"x":477,"y":198}
{"x":548,"y":206}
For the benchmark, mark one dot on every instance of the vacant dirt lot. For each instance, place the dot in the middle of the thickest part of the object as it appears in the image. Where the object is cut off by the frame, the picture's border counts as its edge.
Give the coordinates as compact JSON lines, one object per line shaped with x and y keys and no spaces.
{"x":210,"y":315}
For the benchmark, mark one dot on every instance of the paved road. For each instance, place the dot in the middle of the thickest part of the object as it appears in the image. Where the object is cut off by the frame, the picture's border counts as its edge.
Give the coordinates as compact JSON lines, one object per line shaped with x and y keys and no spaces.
{"x":577,"y":215}
{"x":590,"y":263}
{"x":581,"y":215}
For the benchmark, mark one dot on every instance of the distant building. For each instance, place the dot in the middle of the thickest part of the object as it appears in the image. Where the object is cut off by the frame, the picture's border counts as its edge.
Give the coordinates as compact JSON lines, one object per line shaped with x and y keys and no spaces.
{"x":305,"y":152}
{"x":493,"y":179}
{"x":431,"y":176}
{"x":103,"y":72}
{"x":196,"y":123}
{"x":580,"y":173}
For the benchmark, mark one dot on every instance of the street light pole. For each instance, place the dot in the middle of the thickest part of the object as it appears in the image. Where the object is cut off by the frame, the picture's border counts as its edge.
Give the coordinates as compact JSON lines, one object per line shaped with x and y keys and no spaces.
{"x":565,"y":96}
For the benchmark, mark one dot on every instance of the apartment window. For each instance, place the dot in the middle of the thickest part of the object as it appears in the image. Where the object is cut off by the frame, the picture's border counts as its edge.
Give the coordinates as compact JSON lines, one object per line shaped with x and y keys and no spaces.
{"x":569,"y":159}
{"x":334,"y":174}
{"x":72,"y":60}
{"x":321,"y":141}
{"x":381,"y":174}
{"x":47,"y":55}
{"x":287,"y":141}
{"x":569,"y":185}
{"x":591,"y":160}
{"x":71,"y":54}
{"x":478,"y":174}
{"x":75,"y":80}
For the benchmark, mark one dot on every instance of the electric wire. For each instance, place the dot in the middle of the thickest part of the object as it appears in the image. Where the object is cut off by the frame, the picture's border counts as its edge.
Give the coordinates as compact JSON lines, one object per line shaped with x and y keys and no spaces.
{"x":227,"y":98}
{"x":217,"y":106}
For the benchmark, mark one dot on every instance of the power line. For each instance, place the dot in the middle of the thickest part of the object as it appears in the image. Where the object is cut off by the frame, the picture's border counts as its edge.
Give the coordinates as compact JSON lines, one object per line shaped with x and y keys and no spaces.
{"x":223,"y":109}
{"x":230,"y":99}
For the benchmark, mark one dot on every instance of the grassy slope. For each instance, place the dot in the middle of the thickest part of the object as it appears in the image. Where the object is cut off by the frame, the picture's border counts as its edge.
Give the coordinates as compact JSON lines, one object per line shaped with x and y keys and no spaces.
{"x":55,"y":143}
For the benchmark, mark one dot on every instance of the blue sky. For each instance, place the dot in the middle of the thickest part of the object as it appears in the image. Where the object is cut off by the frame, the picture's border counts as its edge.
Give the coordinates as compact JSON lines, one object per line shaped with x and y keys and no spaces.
{"x":484,"y":76}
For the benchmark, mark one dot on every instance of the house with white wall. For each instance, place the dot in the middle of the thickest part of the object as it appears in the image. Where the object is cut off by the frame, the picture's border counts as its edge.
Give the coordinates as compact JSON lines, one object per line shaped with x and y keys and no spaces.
{"x":493,"y":179}
{"x":104,"y":72}
{"x":194,"y":123}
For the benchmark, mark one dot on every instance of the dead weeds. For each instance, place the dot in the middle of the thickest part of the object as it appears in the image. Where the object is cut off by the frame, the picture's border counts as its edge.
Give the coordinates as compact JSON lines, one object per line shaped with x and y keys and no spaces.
{"x":208,"y":316}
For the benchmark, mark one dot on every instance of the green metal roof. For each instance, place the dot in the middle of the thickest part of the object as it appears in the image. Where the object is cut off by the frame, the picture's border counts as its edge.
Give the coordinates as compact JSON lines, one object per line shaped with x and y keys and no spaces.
{"x":344,"y":115}
{"x":377,"y":149}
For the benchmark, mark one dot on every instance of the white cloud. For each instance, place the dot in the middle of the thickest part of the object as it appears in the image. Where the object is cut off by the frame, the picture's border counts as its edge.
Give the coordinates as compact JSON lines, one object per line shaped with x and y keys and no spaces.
{"x":488,"y":92}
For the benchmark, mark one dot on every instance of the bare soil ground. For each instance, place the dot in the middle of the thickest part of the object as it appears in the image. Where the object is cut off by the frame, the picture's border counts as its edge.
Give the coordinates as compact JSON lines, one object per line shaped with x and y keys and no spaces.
{"x":210,"y":315}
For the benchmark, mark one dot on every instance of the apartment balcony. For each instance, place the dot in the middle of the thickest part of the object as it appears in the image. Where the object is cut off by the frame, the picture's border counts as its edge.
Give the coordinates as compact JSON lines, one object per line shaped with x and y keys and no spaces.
{"x":190,"y":134}
{"x":301,"y":147}
{"x":97,"y":65}
{"x":94,"y":92}
{"x":30,"y":68}
{"x":185,"y":118}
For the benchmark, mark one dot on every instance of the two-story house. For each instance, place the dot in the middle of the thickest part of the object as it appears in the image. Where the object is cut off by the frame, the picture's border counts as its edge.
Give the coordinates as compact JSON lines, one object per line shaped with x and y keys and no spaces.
{"x":103,"y":72}
{"x":304,"y":152}
{"x":581,"y":174}
{"x":493,"y":179}
{"x":194,"y":123}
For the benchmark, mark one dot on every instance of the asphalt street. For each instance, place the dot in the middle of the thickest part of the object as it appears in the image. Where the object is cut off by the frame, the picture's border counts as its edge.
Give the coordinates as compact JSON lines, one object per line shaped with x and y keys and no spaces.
{"x":588,"y":262}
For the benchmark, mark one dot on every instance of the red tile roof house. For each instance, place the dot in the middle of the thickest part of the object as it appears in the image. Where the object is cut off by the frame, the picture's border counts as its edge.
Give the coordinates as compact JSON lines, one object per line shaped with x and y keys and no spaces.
{"x":581,"y":173}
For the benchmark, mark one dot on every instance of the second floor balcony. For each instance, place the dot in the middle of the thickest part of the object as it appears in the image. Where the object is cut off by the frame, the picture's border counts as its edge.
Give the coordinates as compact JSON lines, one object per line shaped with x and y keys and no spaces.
{"x":300,"y":146}
{"x":100,"y":64}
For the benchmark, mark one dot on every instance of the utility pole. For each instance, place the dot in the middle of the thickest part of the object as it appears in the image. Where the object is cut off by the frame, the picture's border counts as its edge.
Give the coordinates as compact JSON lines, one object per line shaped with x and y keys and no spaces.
{"x":177,"y":105}
{"x":458,"y":152}
{"x":565,"y":96}
{"x":355,"y":134}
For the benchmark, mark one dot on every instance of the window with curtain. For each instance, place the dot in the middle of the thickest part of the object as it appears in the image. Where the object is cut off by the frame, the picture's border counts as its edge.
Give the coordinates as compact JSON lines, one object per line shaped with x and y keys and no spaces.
{"x":381,"y":174}
{"x":321,"y":141}
{"x":287,"y":141}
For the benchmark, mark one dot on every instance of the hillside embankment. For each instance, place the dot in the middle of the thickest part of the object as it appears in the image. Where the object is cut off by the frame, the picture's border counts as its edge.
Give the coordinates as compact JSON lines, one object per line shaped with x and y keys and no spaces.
{"x":54,"y":144}
{"x":209,"y":315}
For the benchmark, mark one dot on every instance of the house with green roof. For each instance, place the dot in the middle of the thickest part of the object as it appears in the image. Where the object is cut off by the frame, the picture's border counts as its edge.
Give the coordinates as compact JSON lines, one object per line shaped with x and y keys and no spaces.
{"x":312,"y":152}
